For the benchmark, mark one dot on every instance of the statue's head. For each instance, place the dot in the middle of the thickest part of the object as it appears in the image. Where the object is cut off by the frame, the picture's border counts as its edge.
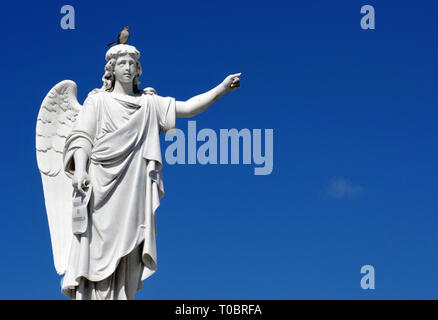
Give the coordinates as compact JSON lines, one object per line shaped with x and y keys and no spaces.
{"x":123,"y":65}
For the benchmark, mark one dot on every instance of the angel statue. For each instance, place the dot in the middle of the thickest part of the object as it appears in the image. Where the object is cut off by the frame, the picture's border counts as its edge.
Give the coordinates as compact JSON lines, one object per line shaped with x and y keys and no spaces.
{"x":100,"y":165}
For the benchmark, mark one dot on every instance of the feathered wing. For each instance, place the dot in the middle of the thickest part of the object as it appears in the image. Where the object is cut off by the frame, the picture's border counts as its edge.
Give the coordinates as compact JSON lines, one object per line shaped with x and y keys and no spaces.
{"x":56,"y":118}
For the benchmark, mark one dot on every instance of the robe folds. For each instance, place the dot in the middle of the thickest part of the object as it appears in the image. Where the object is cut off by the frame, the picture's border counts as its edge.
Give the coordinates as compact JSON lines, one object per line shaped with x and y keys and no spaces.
{"x":120,"y":135}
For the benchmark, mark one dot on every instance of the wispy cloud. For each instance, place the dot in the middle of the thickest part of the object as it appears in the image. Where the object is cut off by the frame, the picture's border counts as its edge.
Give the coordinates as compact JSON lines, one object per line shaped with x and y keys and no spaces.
{"x":341,"y":187}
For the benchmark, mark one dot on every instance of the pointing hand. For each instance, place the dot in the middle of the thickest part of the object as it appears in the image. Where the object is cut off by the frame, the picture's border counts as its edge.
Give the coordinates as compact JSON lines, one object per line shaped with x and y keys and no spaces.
{"x":232,"y":82}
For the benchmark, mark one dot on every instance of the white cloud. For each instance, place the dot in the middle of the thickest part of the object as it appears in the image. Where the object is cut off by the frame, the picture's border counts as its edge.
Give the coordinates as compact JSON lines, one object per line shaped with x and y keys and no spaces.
{"x":340,"y":187}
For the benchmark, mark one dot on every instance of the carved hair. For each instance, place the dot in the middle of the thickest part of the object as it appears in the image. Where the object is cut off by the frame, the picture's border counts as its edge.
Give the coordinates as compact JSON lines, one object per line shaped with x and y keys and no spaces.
{"x":111,"y":56}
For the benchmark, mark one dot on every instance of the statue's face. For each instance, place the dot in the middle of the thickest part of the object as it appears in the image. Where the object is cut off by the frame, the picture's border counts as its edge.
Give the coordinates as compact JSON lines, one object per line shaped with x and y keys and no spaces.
{"x":125,"y":69}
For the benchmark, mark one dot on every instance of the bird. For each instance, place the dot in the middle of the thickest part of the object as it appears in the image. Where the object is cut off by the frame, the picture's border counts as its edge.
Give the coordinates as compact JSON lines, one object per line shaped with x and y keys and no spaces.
{"x":123,"y":37}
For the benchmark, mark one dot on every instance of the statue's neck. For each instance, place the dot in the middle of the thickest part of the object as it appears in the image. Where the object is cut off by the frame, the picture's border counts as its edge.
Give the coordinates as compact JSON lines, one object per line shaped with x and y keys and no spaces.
{"x":123,"y":88}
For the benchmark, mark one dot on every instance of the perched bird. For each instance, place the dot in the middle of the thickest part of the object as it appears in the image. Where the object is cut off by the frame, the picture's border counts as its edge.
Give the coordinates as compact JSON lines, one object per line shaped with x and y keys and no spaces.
{"x":123,"y":37}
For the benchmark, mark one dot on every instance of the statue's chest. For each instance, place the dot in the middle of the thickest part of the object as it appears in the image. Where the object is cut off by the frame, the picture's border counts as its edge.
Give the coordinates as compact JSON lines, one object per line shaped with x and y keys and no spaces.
{"x":114,"y":115}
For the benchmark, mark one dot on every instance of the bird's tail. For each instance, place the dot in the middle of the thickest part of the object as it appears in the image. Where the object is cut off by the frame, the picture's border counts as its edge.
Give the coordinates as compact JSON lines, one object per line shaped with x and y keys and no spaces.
{"x":111,"y":44}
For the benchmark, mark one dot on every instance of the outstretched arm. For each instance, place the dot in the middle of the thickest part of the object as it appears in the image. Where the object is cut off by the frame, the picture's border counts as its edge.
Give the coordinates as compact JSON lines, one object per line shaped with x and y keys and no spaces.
{"x":199,"y":103}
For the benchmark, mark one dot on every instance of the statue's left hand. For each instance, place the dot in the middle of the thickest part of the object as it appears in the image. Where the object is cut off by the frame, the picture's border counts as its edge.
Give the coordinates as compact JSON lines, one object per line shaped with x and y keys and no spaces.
{"x":232,"y":82}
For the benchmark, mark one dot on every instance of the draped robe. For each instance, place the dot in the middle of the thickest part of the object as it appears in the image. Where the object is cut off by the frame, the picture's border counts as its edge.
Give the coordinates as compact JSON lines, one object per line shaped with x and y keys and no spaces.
{"x":120,"y":135}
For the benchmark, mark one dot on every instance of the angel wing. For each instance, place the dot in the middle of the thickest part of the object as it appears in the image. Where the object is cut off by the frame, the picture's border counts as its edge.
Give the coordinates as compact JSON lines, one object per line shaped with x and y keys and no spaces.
{"x":56,"y":118}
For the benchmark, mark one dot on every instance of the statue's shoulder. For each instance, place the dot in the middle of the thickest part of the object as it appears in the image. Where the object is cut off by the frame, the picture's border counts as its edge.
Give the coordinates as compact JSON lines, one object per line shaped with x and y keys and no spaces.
{"x":94,"y":97}
{"x":96,"y":93}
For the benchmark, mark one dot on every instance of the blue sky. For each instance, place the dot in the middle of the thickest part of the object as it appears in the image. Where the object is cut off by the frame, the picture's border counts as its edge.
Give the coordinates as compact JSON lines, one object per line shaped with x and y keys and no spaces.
{"x":355,"y":160}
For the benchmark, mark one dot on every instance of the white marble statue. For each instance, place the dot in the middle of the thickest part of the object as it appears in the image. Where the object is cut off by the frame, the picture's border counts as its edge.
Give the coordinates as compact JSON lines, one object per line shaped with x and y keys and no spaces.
{"x":100,"y":165}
